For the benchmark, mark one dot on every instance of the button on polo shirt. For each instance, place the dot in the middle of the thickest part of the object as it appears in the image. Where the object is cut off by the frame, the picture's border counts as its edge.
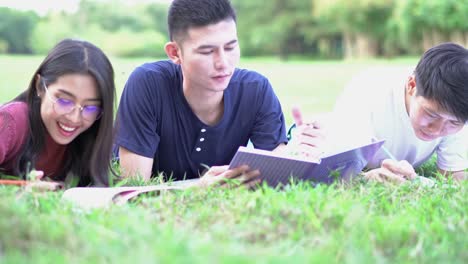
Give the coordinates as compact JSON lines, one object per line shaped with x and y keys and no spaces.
{"x":198,"y":149}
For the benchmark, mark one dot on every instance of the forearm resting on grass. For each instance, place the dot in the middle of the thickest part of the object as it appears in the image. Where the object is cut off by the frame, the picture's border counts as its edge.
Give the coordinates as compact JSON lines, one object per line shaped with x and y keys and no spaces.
{"x":134,"y":165}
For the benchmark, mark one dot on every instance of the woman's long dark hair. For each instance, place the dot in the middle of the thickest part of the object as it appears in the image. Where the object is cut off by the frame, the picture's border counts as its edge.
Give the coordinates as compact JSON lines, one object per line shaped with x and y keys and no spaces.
{"x":89,"y":154}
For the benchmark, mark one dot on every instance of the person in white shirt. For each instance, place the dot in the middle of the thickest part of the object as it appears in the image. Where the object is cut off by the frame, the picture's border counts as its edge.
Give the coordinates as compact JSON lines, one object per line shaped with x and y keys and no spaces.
{"x":417,"y":113}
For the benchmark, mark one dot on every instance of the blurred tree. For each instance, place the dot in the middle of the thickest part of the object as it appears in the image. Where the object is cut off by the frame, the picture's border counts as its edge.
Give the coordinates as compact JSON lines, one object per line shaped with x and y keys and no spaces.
{"x":312,"y":28}
{"x":275,"y":27}
{"x":50,"y":30}
{"x":432,"y":22}
{"x":15,"y":30}
{"x":363,"y":23}
{"x":110,"y":26}
{"x":3,"y":46}
{"x":113,"y":15}
{"x":126,"y":43}
{"x":158,"y":16}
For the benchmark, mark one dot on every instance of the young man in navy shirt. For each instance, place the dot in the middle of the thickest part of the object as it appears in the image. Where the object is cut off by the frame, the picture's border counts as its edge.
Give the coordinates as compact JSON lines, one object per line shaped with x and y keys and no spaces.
{"x":193,"y":111}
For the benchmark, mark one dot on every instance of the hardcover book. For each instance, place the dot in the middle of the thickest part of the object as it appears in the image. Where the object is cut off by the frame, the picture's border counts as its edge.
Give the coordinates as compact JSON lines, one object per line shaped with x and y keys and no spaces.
{"x":279,"y":168}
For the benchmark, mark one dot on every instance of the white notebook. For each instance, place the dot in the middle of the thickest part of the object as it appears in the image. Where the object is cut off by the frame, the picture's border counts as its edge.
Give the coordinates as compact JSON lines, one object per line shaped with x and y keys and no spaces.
{"x":96,"y":197}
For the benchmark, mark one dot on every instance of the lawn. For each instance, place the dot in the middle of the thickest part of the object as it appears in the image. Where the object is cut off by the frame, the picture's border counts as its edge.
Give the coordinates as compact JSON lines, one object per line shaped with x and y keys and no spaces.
{"x":355,"y":223}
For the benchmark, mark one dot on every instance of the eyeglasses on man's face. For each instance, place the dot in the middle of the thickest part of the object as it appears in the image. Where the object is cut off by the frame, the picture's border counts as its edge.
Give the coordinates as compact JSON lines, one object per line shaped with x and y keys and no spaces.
{"x":64,"y":106}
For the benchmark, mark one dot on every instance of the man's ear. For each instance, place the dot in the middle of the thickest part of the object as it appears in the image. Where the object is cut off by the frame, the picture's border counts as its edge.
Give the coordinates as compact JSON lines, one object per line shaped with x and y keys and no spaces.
{"x":411,"y":85}
{"x":173,"y":51}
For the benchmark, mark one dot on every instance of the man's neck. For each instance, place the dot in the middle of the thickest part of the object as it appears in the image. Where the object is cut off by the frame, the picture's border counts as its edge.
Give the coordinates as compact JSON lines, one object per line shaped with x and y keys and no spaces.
{"x":208,"y":106}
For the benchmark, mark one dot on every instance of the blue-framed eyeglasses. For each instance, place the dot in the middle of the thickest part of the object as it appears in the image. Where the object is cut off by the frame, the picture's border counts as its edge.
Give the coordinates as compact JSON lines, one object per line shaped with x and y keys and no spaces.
{"x":64,"y":106}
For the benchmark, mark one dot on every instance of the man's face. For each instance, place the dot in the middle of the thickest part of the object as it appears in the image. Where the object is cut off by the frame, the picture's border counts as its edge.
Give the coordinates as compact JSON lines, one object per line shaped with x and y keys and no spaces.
{"x":429,"y":121}
{"x":208,"y":56}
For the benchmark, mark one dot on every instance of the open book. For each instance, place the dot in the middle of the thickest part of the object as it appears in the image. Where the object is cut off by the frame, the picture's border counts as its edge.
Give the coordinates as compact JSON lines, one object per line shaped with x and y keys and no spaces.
{"x":278,"y":168}
{"x":95,"y":197}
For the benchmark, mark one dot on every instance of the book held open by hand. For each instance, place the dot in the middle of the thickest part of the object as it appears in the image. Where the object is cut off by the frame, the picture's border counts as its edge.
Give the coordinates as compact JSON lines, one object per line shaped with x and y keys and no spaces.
{"x":275,"y":168}
{"x":278,"y":168}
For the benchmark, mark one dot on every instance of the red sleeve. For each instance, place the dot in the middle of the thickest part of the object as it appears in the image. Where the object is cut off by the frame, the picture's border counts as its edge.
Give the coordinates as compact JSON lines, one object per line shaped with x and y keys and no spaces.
{"x":13,"y":130}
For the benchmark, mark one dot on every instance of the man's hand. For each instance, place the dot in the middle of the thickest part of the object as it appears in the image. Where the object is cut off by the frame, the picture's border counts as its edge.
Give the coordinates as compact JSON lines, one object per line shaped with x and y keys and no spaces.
{"x":222,"y":175}
{"x":308,"y":139}
{"x":392,"y":171}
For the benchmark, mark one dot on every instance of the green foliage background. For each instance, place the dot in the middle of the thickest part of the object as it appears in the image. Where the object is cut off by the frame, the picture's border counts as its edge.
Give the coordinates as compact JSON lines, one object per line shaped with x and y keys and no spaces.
{"x":305,"y":28}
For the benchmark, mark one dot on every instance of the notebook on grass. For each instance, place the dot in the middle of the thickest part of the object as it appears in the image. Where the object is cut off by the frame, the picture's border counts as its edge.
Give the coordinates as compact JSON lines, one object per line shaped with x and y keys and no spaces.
{"x":278,"y":168}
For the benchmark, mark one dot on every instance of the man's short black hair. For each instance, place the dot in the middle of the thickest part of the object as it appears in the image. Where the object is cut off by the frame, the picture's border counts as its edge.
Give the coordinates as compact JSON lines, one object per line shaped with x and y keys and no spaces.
{"x":185,"y":14}
{"x":442,"y":77}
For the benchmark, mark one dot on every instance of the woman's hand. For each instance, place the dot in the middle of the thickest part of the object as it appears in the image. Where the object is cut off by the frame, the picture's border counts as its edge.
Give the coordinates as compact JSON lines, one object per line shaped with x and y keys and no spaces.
{"x":37,"y":182}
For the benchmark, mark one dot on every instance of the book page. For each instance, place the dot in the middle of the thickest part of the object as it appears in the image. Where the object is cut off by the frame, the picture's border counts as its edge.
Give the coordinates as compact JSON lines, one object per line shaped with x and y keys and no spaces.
{"x":345,"y":164}
{"x":96,"y":197}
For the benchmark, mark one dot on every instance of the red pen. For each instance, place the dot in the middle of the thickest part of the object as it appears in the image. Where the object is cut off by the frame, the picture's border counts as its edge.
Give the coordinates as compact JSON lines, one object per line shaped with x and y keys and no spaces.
{"x":13,"y":182}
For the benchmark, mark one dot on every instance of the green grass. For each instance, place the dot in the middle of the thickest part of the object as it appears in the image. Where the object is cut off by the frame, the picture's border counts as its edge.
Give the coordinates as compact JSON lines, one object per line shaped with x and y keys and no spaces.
{"x":361,"y":223}
{"x":358,"y":223}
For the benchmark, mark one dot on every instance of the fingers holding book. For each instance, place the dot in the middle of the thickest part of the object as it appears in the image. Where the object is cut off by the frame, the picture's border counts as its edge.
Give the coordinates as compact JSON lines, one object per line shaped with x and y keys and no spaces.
{"x":225,"y":177}
{"x":307,"y":139}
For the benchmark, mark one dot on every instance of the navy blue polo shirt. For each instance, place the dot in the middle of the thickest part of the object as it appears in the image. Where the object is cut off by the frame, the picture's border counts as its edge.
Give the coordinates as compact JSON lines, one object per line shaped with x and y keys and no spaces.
{"x":155,"y":120}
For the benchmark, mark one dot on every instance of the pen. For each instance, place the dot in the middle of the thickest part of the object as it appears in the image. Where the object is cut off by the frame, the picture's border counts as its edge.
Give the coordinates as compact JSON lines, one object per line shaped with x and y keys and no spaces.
{"x":14,"y":182}
{"x":388,"y":153}
{"x":293,"y":126}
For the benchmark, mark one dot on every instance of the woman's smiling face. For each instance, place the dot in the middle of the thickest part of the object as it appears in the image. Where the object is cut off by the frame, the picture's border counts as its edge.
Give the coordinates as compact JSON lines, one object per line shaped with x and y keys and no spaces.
{"x":80,"y":93}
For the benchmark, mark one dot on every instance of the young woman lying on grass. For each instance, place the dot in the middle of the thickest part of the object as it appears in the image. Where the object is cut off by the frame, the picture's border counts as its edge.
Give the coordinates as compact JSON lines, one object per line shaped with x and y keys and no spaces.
{"x":62,"y":124}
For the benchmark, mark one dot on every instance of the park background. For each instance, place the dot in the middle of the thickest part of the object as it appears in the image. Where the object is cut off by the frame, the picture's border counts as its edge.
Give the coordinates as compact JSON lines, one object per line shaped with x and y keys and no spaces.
{"x":309,"y":49}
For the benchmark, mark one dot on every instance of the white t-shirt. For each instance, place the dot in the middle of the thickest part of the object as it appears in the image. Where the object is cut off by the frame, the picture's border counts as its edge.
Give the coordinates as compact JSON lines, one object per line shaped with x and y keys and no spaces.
{"x":373,"y":106}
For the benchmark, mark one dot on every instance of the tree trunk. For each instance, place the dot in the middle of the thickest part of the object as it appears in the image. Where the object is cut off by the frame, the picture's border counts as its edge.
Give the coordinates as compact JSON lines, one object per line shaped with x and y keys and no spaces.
{"x":438,"y":37}
{"x":366,"y":46}
{"x":348,"y":39}
{"x":458,"y":37}
{"x":426,"y":39}
{"x":466,"y":39}
{"x":324,"y":47}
